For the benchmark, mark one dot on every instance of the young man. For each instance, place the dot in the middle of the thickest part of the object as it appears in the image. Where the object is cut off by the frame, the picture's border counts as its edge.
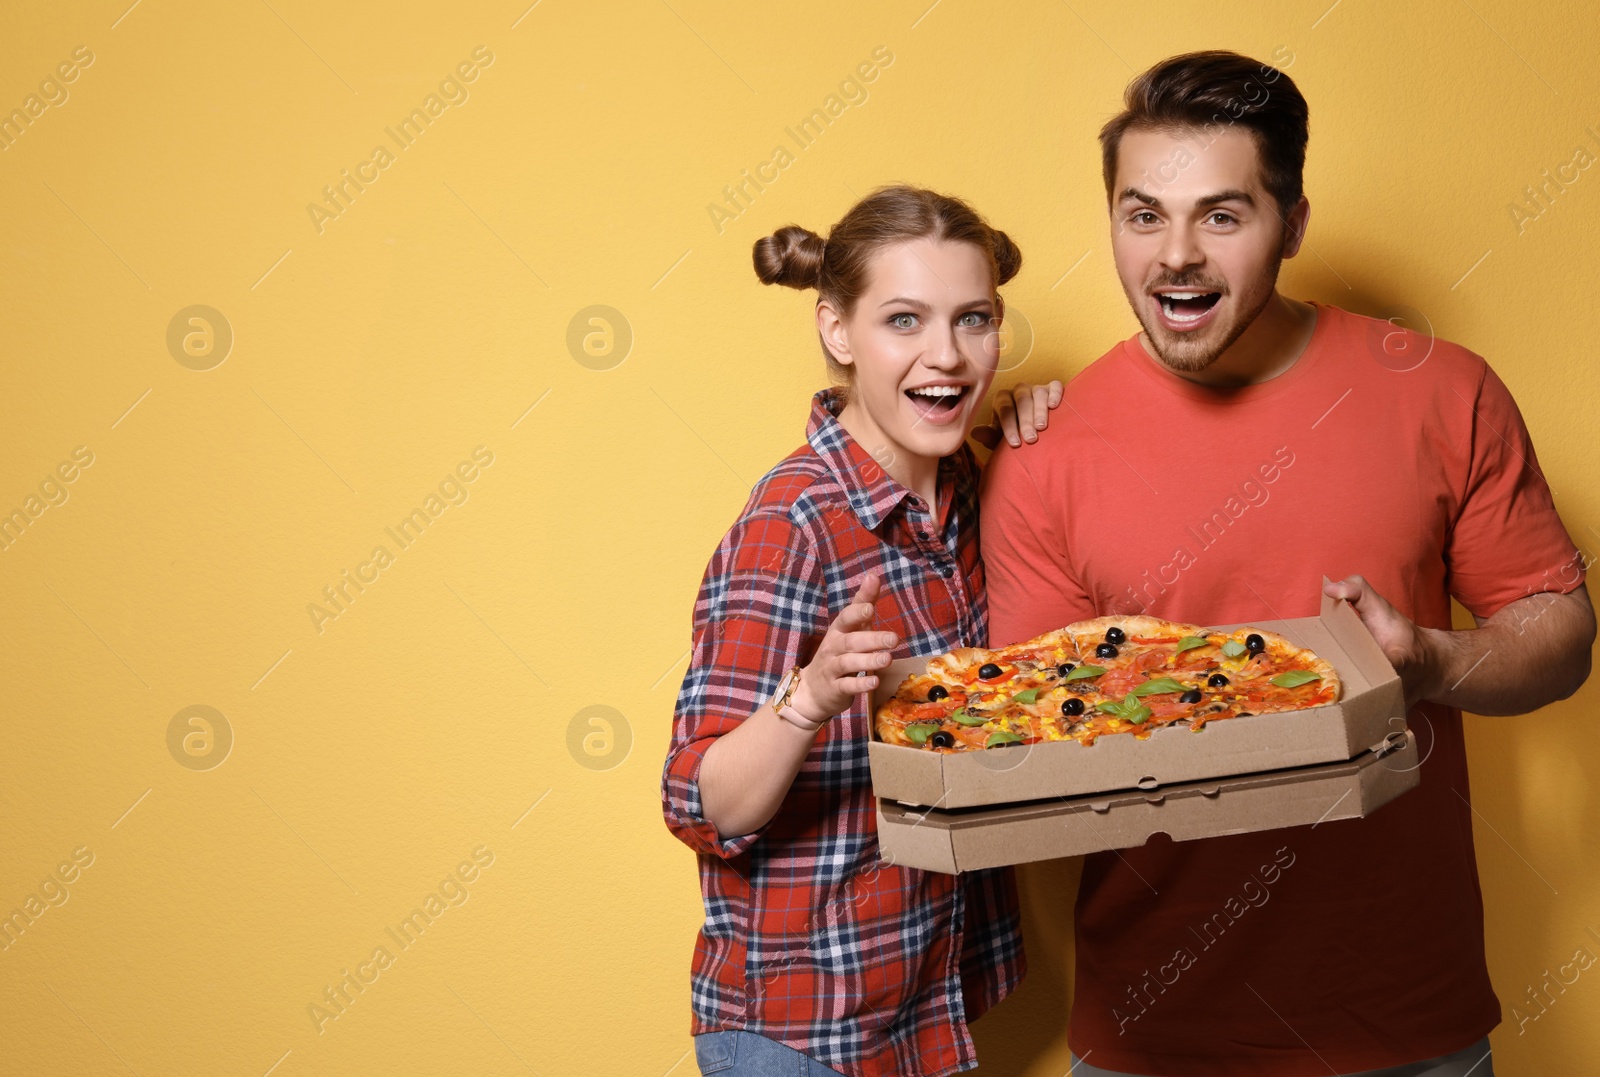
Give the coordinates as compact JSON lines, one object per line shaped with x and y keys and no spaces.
{"x":1213,"y":469}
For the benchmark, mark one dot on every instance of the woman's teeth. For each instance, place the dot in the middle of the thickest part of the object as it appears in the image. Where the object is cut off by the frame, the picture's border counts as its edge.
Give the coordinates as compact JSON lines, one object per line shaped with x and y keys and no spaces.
{"x":938,"y":396}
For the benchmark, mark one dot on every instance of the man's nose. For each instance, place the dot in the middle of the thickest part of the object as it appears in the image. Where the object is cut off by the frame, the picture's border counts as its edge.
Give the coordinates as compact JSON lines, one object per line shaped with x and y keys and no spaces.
{"x":1180,"y":249}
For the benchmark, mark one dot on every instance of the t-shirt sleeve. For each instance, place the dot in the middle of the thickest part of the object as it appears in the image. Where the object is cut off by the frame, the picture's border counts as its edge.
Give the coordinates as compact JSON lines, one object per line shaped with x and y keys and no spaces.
{"x":1032,"y":586}
{"x":1507,"y":541}
{"x":763,"y":603}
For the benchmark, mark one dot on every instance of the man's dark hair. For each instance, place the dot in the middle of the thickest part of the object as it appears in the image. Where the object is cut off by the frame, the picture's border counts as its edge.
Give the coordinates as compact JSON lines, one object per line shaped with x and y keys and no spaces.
{"x":1219,"y":89}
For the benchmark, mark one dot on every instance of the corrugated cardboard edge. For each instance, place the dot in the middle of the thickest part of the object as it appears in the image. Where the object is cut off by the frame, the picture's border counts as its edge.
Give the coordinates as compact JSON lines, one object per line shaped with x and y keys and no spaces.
{"x":950,"y":842}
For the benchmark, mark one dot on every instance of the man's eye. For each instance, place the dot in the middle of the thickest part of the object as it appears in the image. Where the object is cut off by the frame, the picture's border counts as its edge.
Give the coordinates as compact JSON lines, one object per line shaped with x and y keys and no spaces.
{"x":903,"y":321}
{"x":1222,"y":218}
{"x":1144,"y":216}
{"x":973,"y":319}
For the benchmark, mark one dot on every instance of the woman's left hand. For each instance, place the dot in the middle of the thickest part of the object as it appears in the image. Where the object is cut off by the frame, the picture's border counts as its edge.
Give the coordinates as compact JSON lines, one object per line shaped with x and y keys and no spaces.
{"x":1020,"y":412}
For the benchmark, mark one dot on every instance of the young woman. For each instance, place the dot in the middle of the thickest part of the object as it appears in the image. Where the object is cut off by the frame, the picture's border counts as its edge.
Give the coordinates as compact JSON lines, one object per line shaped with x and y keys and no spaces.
{"x":816,"y":957}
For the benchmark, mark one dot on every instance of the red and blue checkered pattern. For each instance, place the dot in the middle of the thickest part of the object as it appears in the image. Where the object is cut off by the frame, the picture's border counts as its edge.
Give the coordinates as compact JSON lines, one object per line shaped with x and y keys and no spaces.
{"x":809,"y":938}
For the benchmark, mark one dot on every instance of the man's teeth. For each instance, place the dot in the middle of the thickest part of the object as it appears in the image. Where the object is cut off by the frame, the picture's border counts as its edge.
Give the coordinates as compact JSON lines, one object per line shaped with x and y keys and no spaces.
{"x":938,"y":390}
{"x":1172,"y":312}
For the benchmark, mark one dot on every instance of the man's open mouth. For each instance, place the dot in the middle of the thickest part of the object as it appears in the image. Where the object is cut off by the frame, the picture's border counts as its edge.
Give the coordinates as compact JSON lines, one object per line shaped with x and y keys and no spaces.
{"x":1187,"y":306}
{"x":937,"y":401}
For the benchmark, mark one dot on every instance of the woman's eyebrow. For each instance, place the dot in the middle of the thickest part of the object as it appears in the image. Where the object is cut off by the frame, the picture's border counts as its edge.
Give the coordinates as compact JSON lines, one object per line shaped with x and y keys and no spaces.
{"x":903,"y":301}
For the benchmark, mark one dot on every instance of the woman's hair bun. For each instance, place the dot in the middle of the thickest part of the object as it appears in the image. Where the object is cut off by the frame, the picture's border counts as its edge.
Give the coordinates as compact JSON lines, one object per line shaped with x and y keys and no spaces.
{"x":791,"y":256}
{"x":1007,"y":257}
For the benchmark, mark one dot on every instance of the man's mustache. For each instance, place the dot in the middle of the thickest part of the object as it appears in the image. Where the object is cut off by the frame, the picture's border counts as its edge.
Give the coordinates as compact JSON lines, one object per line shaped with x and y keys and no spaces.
{"x":1189,"y":284}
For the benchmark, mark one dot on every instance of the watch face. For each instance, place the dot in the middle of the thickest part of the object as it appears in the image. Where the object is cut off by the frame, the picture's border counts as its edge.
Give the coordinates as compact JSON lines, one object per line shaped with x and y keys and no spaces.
{"x":786,"y":685}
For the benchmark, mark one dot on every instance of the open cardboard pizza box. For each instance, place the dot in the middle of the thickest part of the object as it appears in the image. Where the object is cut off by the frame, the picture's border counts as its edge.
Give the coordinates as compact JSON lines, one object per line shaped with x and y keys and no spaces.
{"x":1371,"y":708}
{"x":967,"y":840}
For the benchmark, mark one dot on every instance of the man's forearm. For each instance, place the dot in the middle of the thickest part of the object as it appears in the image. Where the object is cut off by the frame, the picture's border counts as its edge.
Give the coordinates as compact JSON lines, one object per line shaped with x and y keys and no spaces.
{"x":1531,"y":653}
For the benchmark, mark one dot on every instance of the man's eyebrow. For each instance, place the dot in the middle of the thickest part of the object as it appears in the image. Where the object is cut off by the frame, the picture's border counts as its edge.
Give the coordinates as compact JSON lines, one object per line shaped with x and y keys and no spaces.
{"x":1230,"y":195}
{"x":1226,"y":196}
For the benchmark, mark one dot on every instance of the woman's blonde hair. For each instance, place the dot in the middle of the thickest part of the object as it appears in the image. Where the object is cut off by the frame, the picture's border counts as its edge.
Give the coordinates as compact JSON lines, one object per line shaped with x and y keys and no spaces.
{"x":838,"y":266}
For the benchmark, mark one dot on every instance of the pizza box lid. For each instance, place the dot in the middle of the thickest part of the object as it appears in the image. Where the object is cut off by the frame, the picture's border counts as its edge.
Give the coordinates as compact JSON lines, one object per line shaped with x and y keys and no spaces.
{"x":967,"y":840}
{"x":1372,"y":707}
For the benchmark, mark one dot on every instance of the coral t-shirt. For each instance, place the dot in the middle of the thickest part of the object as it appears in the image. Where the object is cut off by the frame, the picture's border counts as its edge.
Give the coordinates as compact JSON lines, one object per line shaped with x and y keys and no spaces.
{"x":1355,"y":944}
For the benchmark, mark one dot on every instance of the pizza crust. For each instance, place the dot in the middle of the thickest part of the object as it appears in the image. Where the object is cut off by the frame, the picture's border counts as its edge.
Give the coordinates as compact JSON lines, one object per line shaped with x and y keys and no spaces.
{"x":1057,"y":639}
{"x":1089,"y":634}
{"x":957,"y":662}
{"x":1330,"y":676}
{"x":1285,"y":650}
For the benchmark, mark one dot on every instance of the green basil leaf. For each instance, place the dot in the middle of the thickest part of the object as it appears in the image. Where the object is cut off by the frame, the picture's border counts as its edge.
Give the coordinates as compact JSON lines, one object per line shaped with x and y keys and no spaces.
{"x":1294,"y":678}
{"x":1001,"y":738}
{"x":965,"y":717}
{"x":1156,"y":686}
{"x":1233,"y":648}
{"x":1083,"y":673}
{"x":1129,"y":709}
{"x":1189,"y":643}
{"x":919,"y":732}
{"x":1030,"y":695}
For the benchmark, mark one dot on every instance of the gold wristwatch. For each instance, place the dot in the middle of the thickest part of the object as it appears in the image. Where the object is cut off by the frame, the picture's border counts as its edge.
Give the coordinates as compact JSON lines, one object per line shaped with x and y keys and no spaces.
{"x":781,"y":705}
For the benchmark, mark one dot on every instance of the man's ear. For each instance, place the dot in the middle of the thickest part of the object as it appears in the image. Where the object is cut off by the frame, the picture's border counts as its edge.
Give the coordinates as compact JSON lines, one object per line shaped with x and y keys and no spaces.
{"x":831,"y":326}
{"x":1294,"y":227}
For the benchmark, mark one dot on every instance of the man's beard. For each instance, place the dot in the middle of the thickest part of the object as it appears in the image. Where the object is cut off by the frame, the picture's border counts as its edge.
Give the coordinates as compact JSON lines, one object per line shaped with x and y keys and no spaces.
{"x":1186,"y":355}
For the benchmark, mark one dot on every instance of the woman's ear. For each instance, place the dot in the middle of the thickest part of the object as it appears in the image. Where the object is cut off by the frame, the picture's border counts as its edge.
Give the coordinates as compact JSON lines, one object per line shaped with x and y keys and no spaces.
{"x":996,"y":326}
{"x":831,"y":327}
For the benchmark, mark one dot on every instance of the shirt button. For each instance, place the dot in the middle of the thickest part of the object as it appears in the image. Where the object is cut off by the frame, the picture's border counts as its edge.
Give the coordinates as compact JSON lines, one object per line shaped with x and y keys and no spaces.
{"x":922,"y":534}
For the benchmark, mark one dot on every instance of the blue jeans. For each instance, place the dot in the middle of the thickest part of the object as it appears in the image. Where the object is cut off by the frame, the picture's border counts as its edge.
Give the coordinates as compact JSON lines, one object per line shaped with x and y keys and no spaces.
{"x":1473,"y":1061}
{"x":745,"y":1054}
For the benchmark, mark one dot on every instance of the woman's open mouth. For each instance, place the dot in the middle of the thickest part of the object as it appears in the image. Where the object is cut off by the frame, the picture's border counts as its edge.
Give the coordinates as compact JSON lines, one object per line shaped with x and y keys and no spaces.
{"x":938,"y":404}
{"x":1183,"y":311}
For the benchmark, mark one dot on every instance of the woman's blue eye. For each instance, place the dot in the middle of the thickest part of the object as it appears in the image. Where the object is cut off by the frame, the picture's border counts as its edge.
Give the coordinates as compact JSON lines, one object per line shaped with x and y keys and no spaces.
{"x":903,"y":321}
{"x":973,"y":319}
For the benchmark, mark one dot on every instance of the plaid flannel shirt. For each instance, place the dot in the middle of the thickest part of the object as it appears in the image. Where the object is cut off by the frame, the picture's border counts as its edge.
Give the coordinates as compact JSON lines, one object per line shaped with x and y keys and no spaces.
{"x":809,"y":938}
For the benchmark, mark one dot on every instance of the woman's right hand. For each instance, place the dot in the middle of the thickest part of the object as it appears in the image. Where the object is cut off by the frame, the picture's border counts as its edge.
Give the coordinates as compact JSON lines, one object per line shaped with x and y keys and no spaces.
{"x":746,"y":773}
{"x":1020,"y":412}
{"x":829,"y":682}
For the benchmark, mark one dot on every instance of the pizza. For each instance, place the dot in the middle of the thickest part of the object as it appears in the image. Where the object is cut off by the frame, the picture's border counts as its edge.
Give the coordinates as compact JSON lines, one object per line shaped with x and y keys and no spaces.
{"x":1104,"y":676}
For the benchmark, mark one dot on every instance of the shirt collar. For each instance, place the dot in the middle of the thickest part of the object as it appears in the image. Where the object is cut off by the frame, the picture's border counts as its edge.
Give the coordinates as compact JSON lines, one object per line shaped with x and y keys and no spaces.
{"x":872,"y":494}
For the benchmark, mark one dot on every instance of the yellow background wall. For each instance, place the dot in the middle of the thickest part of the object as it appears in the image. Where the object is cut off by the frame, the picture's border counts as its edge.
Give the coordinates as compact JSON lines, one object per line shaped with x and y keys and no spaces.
{"x":445,"y":710}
